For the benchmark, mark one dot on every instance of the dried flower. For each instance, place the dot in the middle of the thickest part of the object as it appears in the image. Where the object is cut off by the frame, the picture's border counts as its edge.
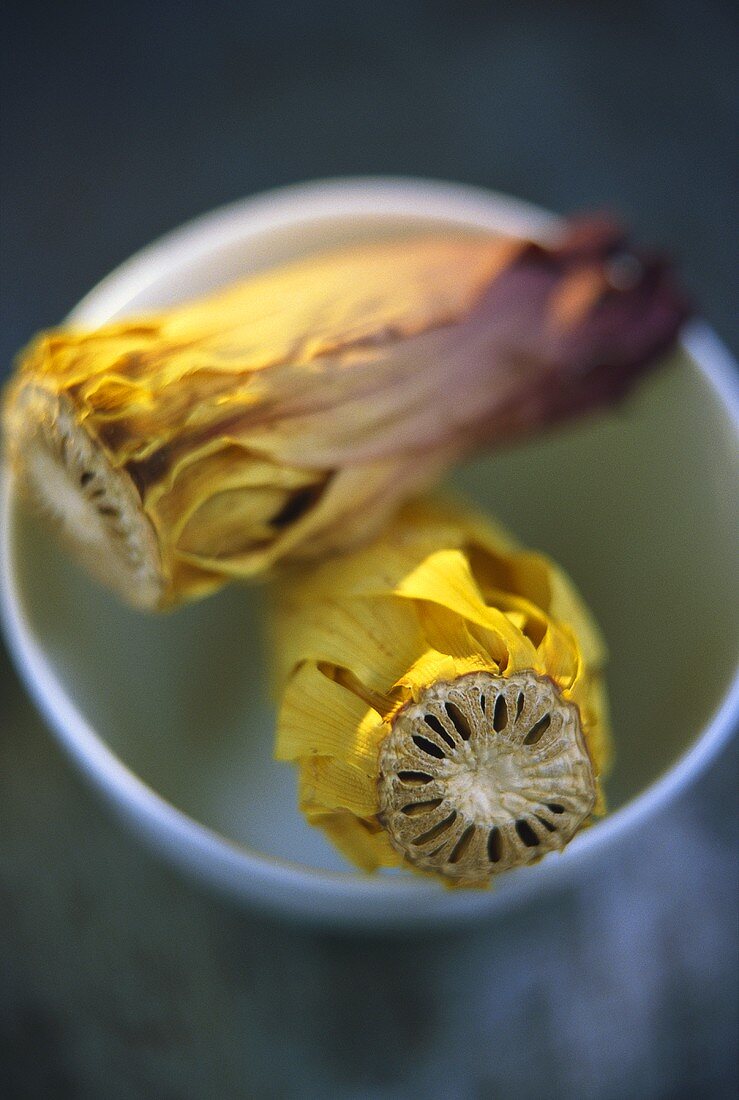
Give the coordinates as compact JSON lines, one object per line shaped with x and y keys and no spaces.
{"x":442,"y":698}
{"x":287,"y":416}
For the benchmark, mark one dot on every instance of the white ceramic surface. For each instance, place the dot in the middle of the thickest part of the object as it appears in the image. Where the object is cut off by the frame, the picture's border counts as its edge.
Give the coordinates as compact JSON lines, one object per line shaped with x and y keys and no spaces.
{"x":170,"y":717}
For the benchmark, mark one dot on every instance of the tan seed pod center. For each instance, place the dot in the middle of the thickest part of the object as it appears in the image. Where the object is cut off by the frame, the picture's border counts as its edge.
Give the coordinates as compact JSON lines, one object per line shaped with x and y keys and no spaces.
{"x":484,"y":773}
{"x":95,"y":506}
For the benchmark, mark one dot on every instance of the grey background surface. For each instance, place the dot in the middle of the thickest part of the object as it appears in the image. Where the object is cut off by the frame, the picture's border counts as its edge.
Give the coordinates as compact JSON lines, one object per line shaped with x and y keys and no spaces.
{"x":118,"y":978}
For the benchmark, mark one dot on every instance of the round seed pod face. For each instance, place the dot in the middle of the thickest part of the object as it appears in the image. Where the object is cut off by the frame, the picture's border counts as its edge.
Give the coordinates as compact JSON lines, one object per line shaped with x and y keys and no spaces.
{"x":483,"y":774}
{"x":95,"y":507}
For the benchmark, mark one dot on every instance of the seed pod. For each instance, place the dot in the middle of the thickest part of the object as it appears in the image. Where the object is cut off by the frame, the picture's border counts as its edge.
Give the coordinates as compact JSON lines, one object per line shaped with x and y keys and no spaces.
{"x":287,"y":416}
{"x":442,"y":698}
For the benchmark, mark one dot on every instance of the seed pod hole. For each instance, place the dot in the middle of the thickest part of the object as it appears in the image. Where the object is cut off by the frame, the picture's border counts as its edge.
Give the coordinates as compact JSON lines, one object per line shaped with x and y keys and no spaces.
{"x":433,"y":723}
{"x":481,"y":777}
{"x":413,"y":809}
{"x":500,"y":714}
{"x":538,"y":730}
{"x":458,"y":720}
{"x":462,"y":844}
{"x":437,"y":830}
{"x":428,"y":747}
{"x":495,"y":846}
{"x":527,"y":834}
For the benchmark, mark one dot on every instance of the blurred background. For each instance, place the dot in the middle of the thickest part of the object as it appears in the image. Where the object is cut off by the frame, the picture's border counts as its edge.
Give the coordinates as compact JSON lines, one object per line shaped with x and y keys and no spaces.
{"x":119,"y":122}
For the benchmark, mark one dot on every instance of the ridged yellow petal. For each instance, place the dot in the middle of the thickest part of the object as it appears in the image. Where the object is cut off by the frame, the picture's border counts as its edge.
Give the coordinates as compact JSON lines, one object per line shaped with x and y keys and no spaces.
{"x":375,"y":639}
{"x":538,"y":578}
{"x":360,"y":842}
{"x":495,"y":637}
{"x":316,"y":714}
{"x":335,"y":784}
{"x":435,"y":665}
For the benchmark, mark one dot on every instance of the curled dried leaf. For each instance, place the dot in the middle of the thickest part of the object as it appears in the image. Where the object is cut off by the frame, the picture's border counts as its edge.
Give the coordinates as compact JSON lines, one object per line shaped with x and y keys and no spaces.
{"x":287,"y":417}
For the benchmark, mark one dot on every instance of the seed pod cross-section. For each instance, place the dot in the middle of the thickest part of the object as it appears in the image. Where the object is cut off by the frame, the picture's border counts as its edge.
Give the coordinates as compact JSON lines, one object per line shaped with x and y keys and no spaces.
{"x":442,"y":697}
{"x":287,"y":416}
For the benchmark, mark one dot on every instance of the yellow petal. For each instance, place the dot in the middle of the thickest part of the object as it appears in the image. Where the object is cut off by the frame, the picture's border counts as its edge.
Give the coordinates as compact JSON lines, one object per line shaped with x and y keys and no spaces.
{"x":318,"y":716}
{"x":444,"y":577}
{"x":538,"y":578}
{"x":589,"y":694}
{"x":355,"y":838}
{"x":434,"y":666}
{"x":345,"y":297}
{"x":336,"y":785}
{"x":375,"y":639}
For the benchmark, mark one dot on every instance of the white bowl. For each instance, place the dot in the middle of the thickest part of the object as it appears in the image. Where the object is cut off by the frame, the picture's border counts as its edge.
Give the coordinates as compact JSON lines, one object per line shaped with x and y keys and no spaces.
{"x":170,"y":717}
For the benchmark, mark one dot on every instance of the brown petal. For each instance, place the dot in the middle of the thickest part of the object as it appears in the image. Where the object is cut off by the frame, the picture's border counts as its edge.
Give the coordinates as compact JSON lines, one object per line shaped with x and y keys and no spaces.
{"x":580,"y":321}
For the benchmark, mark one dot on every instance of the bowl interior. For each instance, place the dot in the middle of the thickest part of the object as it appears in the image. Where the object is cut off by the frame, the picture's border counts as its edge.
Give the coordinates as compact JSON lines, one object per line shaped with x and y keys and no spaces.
{"x":637,"y":505}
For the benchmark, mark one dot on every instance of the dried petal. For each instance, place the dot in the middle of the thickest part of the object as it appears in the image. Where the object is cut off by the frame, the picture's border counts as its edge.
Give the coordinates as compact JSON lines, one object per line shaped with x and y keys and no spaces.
{"x":440,"y":722}
{"x":288,"y":416}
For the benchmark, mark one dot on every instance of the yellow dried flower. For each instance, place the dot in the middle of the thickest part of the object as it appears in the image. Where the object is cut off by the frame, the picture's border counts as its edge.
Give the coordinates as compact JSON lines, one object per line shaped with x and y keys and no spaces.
{"x":442,"y":698}
{"x":287,"y":416}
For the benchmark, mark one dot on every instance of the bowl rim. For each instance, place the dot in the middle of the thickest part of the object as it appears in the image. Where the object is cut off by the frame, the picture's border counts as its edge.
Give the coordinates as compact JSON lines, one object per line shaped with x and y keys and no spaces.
{"x":333,"y":899}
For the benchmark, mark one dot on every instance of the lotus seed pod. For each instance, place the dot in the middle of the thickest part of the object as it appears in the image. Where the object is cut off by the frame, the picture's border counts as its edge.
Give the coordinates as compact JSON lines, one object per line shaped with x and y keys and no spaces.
{"x":484,"y":773}
{"x":288,"y":416}
{"x":442,"y":699}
